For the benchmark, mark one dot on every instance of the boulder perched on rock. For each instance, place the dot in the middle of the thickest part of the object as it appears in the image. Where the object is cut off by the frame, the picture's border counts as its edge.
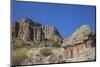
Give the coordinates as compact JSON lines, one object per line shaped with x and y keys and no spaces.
{"x":78,"y":36}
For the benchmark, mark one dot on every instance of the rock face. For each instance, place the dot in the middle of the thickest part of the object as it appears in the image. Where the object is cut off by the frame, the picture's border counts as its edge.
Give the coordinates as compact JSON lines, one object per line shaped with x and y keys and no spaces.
{"x":35,"y":43}
{"x":15,"y":29}
{"x":28,"y":30}
{"x":81,"y":39}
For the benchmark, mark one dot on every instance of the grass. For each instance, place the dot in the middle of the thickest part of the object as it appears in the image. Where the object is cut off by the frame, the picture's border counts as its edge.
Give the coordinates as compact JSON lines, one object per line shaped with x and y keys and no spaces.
{"x":19,"y":55}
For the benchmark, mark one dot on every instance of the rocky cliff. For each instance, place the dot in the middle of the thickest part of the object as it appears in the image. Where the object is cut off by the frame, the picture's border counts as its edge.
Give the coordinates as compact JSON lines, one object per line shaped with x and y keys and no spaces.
{"x":82,"y":39}
{"x":28,"y":30}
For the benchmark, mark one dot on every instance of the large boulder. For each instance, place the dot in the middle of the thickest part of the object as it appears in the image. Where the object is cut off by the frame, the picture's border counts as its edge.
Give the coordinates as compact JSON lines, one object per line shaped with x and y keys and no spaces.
{"x":78,"y":36}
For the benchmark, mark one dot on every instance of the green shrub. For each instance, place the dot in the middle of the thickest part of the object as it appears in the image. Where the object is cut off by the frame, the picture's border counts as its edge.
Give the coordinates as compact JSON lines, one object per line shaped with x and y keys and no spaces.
{"x":52,"y":43}
{"x":56,"y":44}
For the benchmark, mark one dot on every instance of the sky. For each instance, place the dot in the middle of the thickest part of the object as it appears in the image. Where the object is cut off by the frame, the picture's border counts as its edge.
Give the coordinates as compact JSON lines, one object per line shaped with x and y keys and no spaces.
{"x":65,"y":17}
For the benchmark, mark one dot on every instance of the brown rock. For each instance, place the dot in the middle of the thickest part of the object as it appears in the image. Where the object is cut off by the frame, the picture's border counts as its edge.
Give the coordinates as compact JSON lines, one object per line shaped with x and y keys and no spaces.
{"x":68,"y":53}
{"x":75,"y":52}
{"x":28,"y":30}
{"x":80,"y":40}
{"x":89,"y":43}
{"x":24,"y":31}
{"x":15,"y":29}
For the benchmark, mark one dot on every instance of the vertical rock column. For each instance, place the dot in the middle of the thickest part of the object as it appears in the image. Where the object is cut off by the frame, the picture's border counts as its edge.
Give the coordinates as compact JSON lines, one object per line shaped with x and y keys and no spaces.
{"x":45,"y":32}
{"x":89,"y":43}
{"x":16,"y":26}
{"x":20,"y":34}
{"x":41,"y":33}
{"x":75,"y":51}
{"x":68,"y":52}
{"x":38,"y":33}
{"x":27,"y":32}
{"x":34,"y":33}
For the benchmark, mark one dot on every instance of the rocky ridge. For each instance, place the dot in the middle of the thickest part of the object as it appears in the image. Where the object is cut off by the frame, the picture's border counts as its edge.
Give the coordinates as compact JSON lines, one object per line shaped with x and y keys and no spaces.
{"x":30,"y":31}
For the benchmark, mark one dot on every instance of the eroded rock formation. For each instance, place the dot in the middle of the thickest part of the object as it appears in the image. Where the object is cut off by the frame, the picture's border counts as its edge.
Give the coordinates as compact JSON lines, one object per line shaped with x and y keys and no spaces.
{"x":81,"y":39}
{"x":28,"y":30}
